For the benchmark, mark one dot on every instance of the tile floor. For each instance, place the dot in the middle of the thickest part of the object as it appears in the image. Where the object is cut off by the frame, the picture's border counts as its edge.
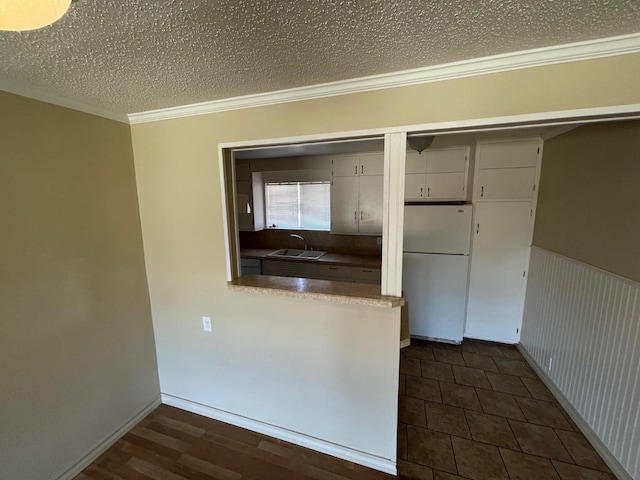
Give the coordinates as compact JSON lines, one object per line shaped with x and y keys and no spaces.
{"x":478,"y":411}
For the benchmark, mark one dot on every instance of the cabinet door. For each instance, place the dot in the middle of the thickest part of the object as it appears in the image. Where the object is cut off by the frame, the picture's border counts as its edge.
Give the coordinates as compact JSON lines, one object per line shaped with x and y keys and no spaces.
{"x":506,"y":183}
{"x":372,"y":164}
{"x":370,"y":204}
{"x":447,"y":160}
{"x":498,"y":263}
{"x":522,"y":153}
{"x":414,"y":186}
{"x":366,"y":275}
{"x":344,"y":205}
{"x":345,"y":166}
{"x":416,"y":163}
{"x":445,"y":186}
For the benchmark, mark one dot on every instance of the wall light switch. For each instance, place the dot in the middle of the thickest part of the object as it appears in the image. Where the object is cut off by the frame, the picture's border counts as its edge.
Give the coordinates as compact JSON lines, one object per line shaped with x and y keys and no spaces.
{"x":206,"y":324}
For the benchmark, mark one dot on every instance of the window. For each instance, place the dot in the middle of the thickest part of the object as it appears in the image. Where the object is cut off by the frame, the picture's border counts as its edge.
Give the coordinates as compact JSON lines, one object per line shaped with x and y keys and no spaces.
{"x":298,"y":205}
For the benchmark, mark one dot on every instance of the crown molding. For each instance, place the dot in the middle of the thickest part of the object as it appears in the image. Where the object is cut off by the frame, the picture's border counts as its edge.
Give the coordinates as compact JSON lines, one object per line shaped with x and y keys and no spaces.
{"x":479,"y":66}
{"x":61,"y":101}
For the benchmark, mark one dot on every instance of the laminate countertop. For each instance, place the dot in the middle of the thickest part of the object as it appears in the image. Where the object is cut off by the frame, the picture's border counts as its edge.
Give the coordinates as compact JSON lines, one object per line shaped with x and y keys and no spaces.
{"x":341,"y":292}
{"x":364,"y":261}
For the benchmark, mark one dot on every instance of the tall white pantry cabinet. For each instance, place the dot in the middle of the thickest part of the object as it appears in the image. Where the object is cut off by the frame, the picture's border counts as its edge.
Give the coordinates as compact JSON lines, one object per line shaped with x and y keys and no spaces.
{"x":506,"y":178}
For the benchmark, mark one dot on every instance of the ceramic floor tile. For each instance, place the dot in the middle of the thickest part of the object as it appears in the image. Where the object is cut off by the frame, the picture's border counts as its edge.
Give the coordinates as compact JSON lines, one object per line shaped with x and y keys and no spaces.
{"x":402,"y":384}
{"x":501,"y":404}
{"x":448,"y":356}
{"x":473,"y":377}
{"x":419,"y":350}
{"x":447,"y":419}
{"x":437,"y":371}
{"x":431,"y":449}
{"x":539,"y":440}
{"x":478,"y":461}
{"x":424,"y":388}
{"x":414,"y":471}
{"x":576,"y":472}
{"x":543,"y":413}
{"x":490,"y":429}
{"x":411,"y":411}
{"x":537,"y":389}
{"x":459,"y":396}
{"x":527,"y":467}
{"x":486,"y":348}
{"x":511,"y":352}
{"x":507,"y":384}
{"x":402,"y":441}
{"x":581,"y":450}
{"x":514,"y":367}
{"x":484,"y":362}
{"x":410,"y":366}
{"x":438,"y":475}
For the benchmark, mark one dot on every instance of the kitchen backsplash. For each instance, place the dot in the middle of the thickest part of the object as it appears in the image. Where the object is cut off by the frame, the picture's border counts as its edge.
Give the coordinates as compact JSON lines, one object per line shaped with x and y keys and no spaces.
{"x":349,"y":244}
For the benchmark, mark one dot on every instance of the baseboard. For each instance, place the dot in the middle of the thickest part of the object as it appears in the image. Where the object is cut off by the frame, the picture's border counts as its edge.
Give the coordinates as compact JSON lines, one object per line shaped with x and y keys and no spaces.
{"x":105,"y":444}
{"x":339,"y":451}
{"x":601,"y":448}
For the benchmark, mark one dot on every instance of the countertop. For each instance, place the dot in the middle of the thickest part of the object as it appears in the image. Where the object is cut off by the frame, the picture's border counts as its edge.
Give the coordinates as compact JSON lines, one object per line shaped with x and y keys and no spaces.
{"x":364,"y":261}
{"x":342,"y":292}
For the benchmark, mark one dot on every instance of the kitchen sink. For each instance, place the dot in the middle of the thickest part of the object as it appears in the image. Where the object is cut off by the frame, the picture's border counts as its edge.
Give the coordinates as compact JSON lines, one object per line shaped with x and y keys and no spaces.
{"x":293,"y":253}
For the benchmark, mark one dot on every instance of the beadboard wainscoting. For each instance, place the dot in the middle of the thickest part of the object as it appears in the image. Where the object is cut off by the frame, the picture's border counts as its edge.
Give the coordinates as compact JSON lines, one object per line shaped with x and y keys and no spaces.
{"x":582,"y":327}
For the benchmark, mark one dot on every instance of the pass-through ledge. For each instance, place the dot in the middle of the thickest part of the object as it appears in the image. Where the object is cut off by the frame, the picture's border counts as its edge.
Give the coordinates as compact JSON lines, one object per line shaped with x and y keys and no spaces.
{"x":342,"y":292}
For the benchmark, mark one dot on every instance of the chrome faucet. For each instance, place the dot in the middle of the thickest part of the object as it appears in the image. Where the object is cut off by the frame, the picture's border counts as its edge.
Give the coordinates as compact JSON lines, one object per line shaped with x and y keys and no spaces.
{"x":295,"y":235}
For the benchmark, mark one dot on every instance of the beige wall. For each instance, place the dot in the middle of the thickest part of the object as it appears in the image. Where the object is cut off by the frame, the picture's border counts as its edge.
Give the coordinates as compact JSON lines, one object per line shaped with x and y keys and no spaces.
{"x":241,"y":362}
{"x":589,"y":199}
{"x":77,"y":356}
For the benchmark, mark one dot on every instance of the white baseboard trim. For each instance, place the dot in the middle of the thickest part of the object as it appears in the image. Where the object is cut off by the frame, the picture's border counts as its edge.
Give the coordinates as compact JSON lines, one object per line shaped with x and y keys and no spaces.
{"x":601,"y":448}
{"x":105,"y":444}
{"x":339,"y":451}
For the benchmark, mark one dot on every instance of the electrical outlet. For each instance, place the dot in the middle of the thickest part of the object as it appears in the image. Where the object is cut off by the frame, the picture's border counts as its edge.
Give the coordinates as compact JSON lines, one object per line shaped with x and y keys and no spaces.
{"x":206,"y":324}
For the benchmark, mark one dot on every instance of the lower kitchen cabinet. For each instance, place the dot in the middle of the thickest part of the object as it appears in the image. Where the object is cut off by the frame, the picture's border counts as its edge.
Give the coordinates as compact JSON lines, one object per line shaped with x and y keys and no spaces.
{"x":319,"y":271}
{"x":501,"y":236}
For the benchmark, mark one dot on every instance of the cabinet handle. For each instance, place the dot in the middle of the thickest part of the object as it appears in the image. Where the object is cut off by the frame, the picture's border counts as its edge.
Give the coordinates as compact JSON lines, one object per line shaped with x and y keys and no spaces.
{"x":361,"y":169}
{"x":482,"y":191}
{"x":477,"y":229}
{"x":333,"y":268}
{"x":428,"y":191}
{"x":367,"y":271}
{"x":421,"y":191}
{"x":356,"y":170}
{"x":355,"y":216}
{"x":360,"y":214}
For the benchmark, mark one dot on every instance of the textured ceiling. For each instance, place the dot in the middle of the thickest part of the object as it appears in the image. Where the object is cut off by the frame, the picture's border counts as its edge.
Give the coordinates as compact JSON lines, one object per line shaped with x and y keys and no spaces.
{"x":138,"y":55}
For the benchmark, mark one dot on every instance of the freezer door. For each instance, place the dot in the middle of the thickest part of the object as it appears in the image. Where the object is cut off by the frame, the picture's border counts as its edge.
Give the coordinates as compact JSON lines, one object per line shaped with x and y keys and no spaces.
{"x":437,"y":228}
{"x":435,"y":288}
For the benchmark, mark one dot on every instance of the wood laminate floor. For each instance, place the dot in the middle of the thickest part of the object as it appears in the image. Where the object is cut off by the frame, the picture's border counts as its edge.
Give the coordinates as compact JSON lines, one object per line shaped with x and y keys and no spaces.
{"x":474,"y":411}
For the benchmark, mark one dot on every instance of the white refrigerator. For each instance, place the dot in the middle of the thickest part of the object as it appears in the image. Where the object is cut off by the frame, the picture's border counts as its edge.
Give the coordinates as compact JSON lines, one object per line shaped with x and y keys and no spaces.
{"x":435,"y":269}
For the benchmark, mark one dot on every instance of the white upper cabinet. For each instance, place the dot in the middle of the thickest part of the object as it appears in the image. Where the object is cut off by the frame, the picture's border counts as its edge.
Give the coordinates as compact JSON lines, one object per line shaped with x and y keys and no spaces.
{"x":508,"y":154}
{"x":506,"y":183}
{"x":507,"y":170}
{"x":437,"y":174}
{"x":345,"y":214}
{"x":356,"y":194}
{"x":357,"y":165}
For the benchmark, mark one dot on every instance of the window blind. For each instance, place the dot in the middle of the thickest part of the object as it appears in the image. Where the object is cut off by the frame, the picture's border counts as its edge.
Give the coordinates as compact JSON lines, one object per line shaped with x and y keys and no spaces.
{"x":298,"y":205}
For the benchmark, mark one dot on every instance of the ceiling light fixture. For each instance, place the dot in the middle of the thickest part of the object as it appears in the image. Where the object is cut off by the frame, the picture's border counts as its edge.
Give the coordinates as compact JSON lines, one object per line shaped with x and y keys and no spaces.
{"x":20,"y":15}
{"x":420,"y":143}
